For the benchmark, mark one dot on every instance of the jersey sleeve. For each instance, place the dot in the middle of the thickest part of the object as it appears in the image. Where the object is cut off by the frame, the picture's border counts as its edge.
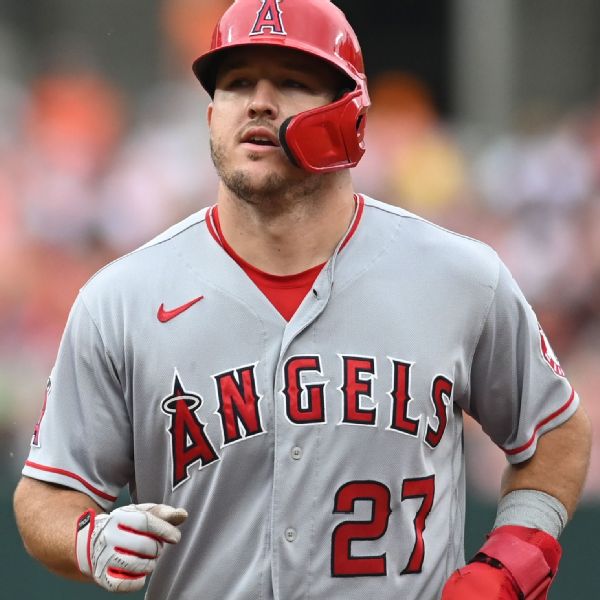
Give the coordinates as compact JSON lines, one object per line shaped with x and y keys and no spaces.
{"x":83,"y":439}
{"x":518,"y":389}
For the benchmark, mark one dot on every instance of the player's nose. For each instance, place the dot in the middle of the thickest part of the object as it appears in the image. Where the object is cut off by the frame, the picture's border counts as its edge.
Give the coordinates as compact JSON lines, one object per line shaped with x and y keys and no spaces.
{"x":263,"y":102}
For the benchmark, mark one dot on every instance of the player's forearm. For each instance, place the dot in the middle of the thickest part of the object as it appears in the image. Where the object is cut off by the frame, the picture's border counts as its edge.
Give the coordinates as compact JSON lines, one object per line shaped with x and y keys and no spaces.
{"x":560,"y":464}
{"x":46,"y":516}
{"x":522,"y":553}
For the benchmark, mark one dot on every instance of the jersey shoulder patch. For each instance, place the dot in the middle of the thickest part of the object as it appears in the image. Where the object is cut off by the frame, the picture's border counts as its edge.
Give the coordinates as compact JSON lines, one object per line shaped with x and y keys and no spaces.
{"x":549,"y":355}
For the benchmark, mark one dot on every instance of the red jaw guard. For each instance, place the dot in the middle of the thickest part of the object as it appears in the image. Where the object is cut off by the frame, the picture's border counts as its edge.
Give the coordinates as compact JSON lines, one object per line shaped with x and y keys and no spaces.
{"x":327,"y":138}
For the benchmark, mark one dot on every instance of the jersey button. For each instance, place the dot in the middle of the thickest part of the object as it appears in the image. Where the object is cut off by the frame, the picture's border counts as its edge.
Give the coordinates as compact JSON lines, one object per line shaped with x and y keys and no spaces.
{"x":296,"y":453}
{"x":291,"y":534}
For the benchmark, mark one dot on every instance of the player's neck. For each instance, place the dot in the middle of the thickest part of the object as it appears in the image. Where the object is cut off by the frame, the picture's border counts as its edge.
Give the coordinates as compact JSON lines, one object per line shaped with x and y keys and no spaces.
{"x":290,"y":240}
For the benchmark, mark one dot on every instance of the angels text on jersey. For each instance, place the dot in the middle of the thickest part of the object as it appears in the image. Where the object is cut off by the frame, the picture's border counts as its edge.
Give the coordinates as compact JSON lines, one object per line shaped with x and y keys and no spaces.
{"x":306,"y":395}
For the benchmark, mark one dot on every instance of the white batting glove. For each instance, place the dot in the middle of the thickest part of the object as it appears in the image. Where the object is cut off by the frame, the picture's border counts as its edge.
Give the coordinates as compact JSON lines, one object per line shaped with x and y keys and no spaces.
{"x":120,"y":549}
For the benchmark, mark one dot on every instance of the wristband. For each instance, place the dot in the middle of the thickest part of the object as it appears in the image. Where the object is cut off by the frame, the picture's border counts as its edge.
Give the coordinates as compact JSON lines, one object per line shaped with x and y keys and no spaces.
{"x":533,"y":509}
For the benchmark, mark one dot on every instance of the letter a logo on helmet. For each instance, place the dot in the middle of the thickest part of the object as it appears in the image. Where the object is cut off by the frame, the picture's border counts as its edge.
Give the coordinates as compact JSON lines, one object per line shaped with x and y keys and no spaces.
{"x":268,"y":19}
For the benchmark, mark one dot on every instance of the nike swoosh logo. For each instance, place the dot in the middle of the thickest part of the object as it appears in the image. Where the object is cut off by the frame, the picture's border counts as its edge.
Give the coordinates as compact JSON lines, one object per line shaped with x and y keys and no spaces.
{"x":166,"y":315}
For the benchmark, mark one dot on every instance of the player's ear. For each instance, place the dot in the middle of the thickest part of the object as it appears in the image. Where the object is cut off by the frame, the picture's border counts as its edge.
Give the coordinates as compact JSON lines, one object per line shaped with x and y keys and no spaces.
{"x":209,"y":112}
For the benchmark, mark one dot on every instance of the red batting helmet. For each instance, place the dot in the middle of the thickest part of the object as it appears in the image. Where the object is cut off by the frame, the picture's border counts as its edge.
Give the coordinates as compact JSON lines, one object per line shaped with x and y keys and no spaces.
{"x":323,"y":139}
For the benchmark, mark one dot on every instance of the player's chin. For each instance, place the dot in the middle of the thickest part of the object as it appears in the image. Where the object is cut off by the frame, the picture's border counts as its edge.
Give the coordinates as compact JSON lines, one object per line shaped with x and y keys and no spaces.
{"x":266,"y":167}
{"x":269,"y":157}
{"x":255,"y":184}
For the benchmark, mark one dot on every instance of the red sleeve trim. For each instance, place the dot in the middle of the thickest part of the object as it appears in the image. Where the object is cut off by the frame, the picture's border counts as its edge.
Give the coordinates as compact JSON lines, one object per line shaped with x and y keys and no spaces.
{"x":89,"y":486}
{"x":549,"y":418}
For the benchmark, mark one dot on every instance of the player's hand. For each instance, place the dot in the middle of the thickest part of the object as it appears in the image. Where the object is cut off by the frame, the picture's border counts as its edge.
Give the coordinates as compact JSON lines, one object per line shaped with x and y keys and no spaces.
{"x":479,"y":581}
{"x":516,"y":563}
{"x":121,"y":548}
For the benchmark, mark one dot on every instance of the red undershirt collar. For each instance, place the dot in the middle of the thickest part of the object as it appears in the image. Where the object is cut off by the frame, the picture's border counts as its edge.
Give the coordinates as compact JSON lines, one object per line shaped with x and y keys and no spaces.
{"x":285,"y":292}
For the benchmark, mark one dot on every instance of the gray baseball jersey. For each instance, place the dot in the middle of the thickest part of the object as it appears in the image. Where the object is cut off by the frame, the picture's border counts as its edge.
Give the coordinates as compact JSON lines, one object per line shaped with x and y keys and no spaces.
{"x":317,"y":458}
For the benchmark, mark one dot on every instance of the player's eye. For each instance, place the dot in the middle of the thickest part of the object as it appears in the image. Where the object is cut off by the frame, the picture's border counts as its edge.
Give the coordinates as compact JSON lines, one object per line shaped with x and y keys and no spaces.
{"x":237,"y":83}
{"x":295,"y":84}
{"x":234,"y":79}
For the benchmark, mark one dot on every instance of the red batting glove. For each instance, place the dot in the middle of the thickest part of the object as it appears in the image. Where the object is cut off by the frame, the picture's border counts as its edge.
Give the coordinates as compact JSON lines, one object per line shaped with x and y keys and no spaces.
{"x":477,"y":581}
{"x":516,"y":563}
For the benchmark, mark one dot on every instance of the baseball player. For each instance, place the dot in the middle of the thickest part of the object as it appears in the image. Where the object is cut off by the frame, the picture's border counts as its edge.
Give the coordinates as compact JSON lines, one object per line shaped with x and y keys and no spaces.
{"x":280,"y":379}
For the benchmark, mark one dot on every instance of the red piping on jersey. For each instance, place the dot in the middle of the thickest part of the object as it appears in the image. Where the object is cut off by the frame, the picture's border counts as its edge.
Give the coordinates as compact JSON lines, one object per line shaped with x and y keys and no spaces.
{"x":555,"y":414}
{"x":281,"y":281}
{"x":212,"y":215}
{"x":89,"y":486}
{"x":360,"y":205}
{"x":285,"y":292}
{"x":210,"y":225}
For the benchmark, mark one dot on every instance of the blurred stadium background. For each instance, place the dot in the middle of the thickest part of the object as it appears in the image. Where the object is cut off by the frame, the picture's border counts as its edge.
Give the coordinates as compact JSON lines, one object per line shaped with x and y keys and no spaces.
{"x":485,"y":119}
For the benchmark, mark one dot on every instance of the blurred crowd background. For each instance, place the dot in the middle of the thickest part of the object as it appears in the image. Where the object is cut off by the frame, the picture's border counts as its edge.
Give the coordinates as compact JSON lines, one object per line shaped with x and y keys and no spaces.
{"x":485,"y":119}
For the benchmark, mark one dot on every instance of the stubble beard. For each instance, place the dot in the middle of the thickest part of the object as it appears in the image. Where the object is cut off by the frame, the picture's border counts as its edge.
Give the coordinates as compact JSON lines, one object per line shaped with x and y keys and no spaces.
{"x":272,"y":191}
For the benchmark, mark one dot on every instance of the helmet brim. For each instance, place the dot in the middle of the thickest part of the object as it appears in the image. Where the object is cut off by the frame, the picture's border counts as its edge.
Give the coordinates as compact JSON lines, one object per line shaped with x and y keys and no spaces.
{"x":206,"y":66}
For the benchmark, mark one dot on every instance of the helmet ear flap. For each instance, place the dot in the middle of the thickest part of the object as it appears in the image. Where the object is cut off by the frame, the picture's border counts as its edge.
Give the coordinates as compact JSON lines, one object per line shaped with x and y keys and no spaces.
{"x":327,"y":138}
{"x":283,"y":141}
